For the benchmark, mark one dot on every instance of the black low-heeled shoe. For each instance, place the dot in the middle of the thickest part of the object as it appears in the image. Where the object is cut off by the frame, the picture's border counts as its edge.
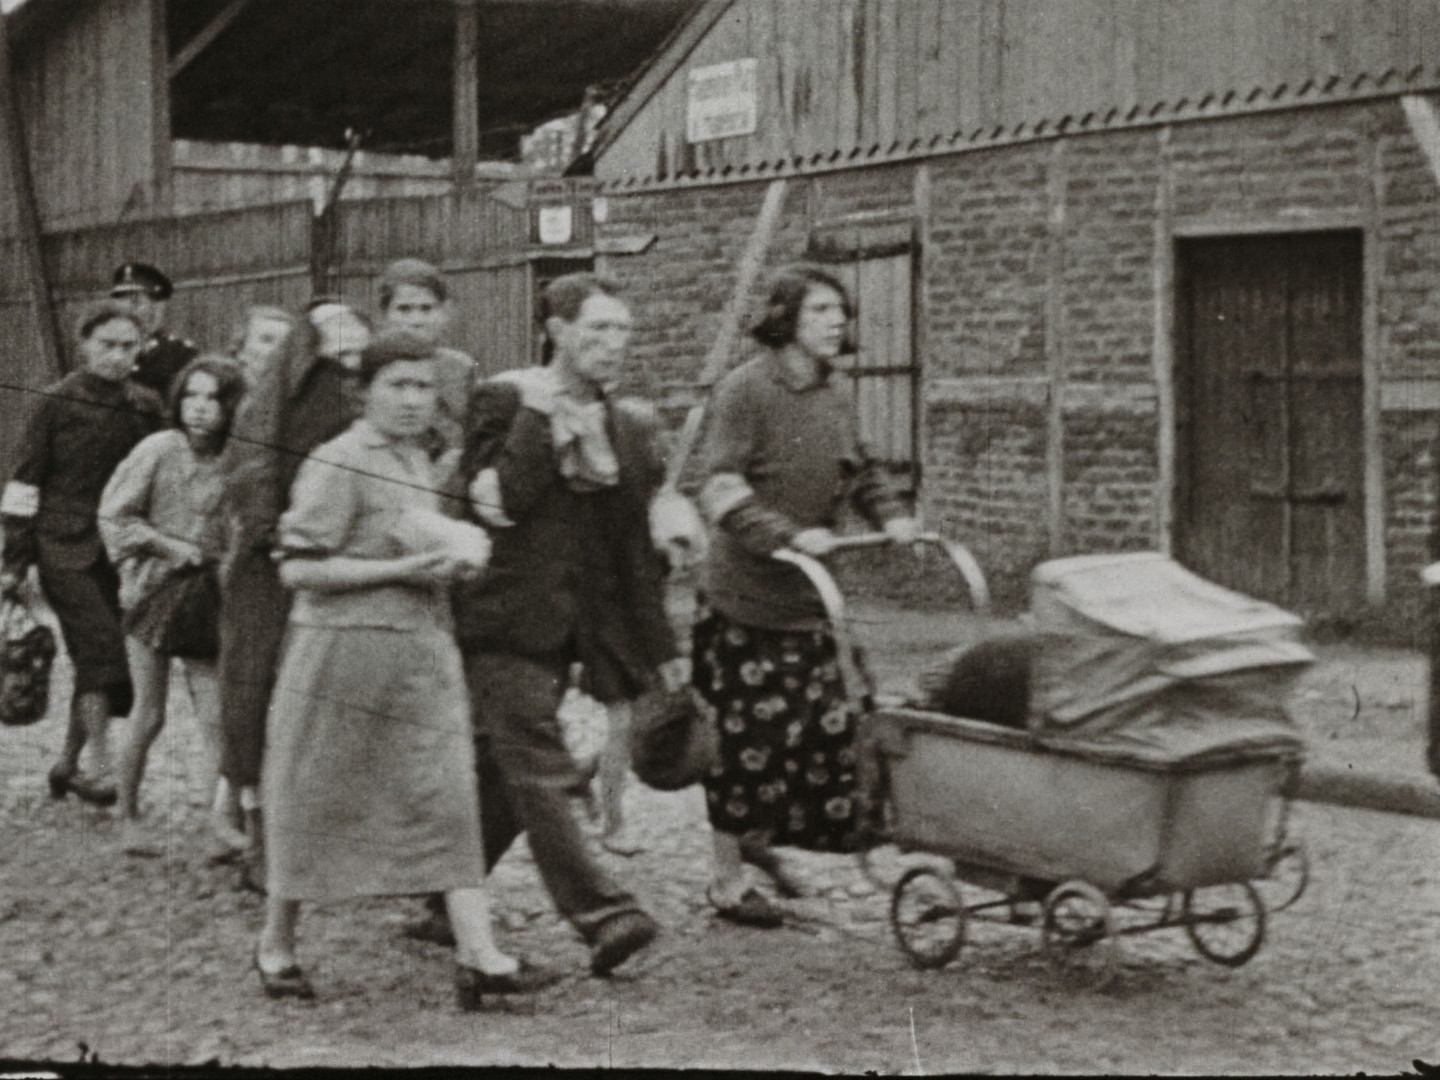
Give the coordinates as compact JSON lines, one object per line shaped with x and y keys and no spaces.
{"x":59,"y":780}
{"x":472,"y":984}
{"x":752,"y":909}
{"x":288,"y":982}
{"x":761,"y":856}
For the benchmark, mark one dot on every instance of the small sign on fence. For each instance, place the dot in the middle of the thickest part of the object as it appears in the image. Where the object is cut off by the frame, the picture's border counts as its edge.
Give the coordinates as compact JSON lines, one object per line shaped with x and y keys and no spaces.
{"x":556,"y":224}
{"x":722,"y":101}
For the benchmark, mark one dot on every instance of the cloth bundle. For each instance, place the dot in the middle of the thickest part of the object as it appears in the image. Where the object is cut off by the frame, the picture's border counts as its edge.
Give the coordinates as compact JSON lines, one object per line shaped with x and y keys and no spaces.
{"x":422,"y":531}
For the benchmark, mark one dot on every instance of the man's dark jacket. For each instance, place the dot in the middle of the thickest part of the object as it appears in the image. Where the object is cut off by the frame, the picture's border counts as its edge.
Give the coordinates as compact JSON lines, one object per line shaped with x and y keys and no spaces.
{"x":577,"y":572}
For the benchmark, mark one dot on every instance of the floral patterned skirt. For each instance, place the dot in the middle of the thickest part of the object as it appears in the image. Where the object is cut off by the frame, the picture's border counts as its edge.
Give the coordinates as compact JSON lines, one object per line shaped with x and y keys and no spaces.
{"x":787,"y":762}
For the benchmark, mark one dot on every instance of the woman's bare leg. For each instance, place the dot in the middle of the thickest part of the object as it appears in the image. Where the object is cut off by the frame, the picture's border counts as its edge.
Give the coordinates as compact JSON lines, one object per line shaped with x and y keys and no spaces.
{"x":728,"y":869}
{"x":150,"y":676}
{"x":204,"y":687}
{"x":474,"y":940}
{"x":227,"y":821}
{"x":93,"y":707}
{"x":276,"y":949}
{"x":614,"y":772}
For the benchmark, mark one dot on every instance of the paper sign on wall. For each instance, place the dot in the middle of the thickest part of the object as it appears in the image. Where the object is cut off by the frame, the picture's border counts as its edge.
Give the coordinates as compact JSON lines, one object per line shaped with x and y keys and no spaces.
{"x":555,"y":224}
{"x":722,"y":101}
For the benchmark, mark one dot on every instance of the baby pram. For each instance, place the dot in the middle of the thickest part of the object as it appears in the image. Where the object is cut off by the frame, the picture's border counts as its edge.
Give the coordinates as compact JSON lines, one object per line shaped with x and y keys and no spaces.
{"x":1148,"y":791}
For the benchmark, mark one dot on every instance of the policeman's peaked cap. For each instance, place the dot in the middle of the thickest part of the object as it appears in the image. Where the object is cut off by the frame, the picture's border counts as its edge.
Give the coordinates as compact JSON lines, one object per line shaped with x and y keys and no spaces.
{"x":141,"y":277}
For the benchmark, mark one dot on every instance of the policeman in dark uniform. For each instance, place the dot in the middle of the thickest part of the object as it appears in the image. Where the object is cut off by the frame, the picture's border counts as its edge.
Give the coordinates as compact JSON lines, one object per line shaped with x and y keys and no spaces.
{"x":144,"y":290}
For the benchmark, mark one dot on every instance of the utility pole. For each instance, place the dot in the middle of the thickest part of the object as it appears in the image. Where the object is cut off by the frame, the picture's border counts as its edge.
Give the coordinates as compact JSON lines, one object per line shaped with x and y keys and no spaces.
{"x":465,"y":129}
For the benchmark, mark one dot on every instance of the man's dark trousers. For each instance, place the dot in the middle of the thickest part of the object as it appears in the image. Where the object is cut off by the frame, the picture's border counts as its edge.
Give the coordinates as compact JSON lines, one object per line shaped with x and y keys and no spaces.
{"x":526,"y":778}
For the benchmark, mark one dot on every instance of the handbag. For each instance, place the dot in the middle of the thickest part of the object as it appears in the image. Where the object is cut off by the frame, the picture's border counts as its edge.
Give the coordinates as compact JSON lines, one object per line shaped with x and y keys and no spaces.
{"x":181,"y":616}
{"x":27,"y":653}
{"x":673,"y":742}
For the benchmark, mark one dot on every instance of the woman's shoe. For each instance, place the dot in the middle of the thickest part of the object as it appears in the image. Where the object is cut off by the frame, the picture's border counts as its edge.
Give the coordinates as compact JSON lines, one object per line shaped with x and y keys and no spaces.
{"x":762,"y":856}
{"x":752,"y":909}
{"x":59,"y":779}
{"x":95,"y":792}
{"x":287,"y":982}
{"x":472,"y":984}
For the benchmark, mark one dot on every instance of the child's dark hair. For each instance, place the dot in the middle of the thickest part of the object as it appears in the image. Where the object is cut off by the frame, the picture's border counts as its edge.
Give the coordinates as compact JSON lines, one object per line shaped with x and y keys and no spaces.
{"x":230,"y":388}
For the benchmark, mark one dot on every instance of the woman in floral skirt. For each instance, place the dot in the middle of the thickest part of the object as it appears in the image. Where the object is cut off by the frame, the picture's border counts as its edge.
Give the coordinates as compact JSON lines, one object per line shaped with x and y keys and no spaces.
{"x":781,"y":456}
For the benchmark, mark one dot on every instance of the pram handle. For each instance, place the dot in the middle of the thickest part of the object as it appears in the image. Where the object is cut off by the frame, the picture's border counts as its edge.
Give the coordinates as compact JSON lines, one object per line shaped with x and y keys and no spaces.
{"x":959,"y":554}
{"x":834,"y":601}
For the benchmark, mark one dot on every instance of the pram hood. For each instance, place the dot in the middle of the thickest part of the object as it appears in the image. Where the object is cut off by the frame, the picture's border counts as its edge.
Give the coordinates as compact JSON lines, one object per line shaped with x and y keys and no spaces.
{"x":1136,"y":649}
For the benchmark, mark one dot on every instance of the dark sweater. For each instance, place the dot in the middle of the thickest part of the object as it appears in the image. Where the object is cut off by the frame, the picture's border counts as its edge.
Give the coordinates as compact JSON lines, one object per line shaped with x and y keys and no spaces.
{"x":576,"y":571}
{"x":779,"y":458}
{"x":81,"y":429}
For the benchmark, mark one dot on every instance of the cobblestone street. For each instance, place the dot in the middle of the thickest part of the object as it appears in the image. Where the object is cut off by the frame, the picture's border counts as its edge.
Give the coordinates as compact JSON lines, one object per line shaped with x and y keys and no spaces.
{"x":148,"y":960}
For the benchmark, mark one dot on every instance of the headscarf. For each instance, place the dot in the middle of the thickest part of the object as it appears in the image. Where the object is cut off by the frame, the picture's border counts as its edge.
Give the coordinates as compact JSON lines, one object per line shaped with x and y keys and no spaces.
{"x":339,"y":329}
{"x":253,"y":458}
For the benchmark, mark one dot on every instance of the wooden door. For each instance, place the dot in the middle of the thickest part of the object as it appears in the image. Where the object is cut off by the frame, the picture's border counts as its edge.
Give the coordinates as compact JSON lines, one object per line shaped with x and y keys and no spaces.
{"x":876,"y":263}
{"x":1270,"y":456}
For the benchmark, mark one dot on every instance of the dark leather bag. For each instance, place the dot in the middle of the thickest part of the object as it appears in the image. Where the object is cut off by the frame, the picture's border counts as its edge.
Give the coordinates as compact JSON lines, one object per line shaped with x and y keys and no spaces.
{"x":27,"y":652}
{"x":672,"y":742}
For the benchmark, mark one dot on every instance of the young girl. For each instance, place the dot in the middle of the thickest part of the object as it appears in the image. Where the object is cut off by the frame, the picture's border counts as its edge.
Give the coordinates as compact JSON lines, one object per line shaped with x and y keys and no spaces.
{"x":369,"y":778}
{"x":160,"y":520}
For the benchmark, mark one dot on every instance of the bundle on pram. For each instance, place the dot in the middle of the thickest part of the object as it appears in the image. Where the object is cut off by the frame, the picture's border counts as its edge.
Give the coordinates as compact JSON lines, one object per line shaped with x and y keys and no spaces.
{"x":1119,"y":647}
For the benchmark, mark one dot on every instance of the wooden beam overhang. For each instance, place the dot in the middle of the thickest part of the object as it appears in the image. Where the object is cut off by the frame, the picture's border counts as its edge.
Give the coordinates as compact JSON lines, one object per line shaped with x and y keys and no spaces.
{"x":201,"y":41}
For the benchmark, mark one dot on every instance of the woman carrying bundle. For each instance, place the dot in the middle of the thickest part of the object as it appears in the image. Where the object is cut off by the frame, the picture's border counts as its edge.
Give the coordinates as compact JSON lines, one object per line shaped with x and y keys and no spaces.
{"x":369,"y":782}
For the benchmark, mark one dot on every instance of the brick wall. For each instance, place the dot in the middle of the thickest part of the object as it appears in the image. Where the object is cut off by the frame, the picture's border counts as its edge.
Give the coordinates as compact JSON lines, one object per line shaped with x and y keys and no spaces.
{"x":1012,"y":227}
{"x":986,"y":486}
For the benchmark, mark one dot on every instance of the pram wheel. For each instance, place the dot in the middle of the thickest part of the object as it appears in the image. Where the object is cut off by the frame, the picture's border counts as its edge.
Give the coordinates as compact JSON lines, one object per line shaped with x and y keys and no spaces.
{"x":1287,"y":877}
{"x":1077,"y":915}
{"x":1226,"y":923}
{"x":928,"y":916}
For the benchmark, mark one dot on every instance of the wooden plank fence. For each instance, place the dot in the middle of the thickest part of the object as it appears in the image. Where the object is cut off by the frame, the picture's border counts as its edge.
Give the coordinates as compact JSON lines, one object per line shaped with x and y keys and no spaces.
{"x":225,"y":261}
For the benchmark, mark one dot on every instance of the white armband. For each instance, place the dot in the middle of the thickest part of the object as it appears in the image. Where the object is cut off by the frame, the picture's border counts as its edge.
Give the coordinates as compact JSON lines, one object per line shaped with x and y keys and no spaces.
{"x":20,"y":500}
{"x":486,"y":502}
{"x":674,"y":520}
{"x":722,"y":493}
